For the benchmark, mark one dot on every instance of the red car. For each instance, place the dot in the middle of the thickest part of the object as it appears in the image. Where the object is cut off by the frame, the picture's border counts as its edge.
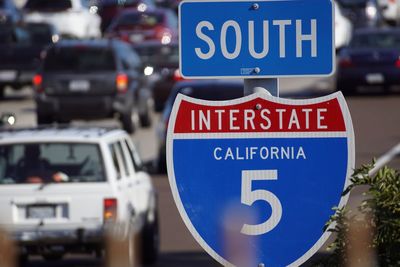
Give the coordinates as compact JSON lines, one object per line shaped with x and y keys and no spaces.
{"x":134,"y":26}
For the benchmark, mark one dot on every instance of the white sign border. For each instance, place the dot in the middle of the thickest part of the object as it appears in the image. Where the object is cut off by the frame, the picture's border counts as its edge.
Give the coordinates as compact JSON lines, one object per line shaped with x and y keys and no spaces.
{"x":253,"y":76}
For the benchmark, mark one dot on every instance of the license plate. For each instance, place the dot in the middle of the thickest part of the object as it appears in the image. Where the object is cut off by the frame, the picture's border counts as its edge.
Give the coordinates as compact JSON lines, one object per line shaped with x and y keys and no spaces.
{"x":41,"y":212}
{"x":8,"y":75}
{"x":136,"y":38}
{"x":374,"y":78}
{"x":79,"y":86}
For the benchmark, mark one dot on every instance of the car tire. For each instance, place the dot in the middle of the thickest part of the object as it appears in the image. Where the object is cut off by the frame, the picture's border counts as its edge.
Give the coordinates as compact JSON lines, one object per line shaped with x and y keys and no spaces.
{"x":145,"y":120}
{"x":150,"y":240}
{"x":43,"y":119}
{"x":129,"y":121}
{"x":2,"y":91}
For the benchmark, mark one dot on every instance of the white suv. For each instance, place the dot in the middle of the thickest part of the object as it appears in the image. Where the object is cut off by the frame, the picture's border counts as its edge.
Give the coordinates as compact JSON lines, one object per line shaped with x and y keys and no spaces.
{"x":61,"y":188}
{"x":72,"y":18}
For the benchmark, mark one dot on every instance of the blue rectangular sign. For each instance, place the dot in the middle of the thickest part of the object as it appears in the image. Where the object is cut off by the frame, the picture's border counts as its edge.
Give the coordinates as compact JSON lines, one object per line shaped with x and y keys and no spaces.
{"x":246,"y":39}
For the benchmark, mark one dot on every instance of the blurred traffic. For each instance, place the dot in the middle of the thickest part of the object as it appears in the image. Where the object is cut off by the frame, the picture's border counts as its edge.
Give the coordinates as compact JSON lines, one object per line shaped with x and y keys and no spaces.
{"x":74,"y":71}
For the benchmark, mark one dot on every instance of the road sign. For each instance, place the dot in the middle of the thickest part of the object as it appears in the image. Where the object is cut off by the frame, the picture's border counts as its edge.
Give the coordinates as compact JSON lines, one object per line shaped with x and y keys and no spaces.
{"x":258,"y":39}
{"x":262,"y":170}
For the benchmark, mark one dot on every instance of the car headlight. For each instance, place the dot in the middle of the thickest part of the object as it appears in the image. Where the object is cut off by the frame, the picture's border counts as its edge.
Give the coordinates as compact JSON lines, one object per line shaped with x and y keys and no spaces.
{"x":148,"y":70}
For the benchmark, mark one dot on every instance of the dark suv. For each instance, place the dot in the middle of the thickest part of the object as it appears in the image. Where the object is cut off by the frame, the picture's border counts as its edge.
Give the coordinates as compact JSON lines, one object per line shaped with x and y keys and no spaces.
{"x":89,"y":80}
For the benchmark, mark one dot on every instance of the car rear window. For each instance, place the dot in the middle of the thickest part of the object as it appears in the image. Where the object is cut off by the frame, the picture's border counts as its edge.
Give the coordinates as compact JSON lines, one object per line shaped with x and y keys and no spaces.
{"x":79,"y":59}
{"x":48,"y":5}
{"x":140,"y":19}
{"x":158,"y":55}
{"x":51,"y":163}
{"x":376,"y":40}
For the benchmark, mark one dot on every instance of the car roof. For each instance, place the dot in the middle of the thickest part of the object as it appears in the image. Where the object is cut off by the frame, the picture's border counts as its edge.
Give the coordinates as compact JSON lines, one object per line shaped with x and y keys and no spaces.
{"x":58,"y":134}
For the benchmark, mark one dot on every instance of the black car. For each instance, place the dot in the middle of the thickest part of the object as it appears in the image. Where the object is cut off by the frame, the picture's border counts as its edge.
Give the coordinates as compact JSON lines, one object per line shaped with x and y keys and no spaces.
{"x":161,"y":65}
{"x":371,"y":62}
{"x":89,"y":80}
{"x":215,"y":90}
{"x":20,"y":49}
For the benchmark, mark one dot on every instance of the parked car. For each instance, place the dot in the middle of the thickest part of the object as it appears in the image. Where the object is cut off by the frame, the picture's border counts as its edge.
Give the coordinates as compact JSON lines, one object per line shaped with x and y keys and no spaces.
{"x":161,"y":65}
{"x":9,"y":12}
{"x":371,"y":62}
{"x":134,"y":27}
{"x":91,"y":80}
{"x":72,"y":18}
{"x":362,"y":13}
{"x":215,"y":90}
{"x":390,"y":10}
{"x":343,"y":28}
{"x":20,"y":50}
{"x":109,"y":9}
{"x":62,"y":188}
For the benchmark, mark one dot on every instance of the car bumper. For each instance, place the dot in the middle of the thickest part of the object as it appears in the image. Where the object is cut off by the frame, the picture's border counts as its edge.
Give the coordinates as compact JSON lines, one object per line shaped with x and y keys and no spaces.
{"x":83,"y":107}
{"x":59,"y":237}
{"x":374,"y":79}
{"x":16,"y":78}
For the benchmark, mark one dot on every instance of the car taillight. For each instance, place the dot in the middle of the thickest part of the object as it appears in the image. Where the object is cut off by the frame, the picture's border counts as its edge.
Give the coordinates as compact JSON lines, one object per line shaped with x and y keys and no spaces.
{"x":163,"y":34}
{"x":178,"y":76}
{"x":37,"y":83}
{"x":346,"y":63}
{"x":110,"y":209}
{"x":397,"y":64}
{"x":122,"y":83}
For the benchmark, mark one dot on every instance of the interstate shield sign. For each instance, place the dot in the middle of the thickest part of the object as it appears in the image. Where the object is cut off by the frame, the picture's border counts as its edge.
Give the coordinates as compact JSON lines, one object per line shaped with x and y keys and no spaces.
{"x":255,"y":178}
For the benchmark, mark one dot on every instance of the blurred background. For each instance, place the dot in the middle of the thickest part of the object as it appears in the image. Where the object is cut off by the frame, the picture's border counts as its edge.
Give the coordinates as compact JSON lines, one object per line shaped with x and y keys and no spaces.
{"x":114,"y":63}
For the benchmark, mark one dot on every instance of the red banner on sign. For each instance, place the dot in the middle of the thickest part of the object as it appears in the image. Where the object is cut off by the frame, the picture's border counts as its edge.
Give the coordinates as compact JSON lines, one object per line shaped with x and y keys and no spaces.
{"x":260,"y":115}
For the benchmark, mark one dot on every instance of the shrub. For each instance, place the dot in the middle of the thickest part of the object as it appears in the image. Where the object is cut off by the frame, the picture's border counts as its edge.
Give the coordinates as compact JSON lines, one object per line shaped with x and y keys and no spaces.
{"x":380,"y":210}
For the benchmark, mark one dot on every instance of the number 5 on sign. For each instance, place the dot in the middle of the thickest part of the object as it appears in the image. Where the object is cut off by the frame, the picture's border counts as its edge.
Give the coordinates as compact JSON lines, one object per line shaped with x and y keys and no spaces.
{"x":249,"y":197}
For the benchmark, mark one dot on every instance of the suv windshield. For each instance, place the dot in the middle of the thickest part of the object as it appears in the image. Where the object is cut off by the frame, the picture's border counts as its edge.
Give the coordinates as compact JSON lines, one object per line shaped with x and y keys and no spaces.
{"x":79,"y":59}
{"x":48,"y":5}
{"x":50,"y":163}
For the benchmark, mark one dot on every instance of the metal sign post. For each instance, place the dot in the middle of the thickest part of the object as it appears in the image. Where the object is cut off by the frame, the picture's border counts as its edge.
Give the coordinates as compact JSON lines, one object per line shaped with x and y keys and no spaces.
{"x":269,"y":86}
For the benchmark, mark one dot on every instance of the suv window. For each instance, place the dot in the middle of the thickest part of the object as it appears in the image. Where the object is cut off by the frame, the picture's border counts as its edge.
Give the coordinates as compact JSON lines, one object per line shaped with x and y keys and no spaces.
{"x":134,"y":156}
{"x":116,"y":158}
{"x":79,"y":59}
{"x":123,"y":157}
{"x":48,"y":5}
{"x":51,"y":163}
